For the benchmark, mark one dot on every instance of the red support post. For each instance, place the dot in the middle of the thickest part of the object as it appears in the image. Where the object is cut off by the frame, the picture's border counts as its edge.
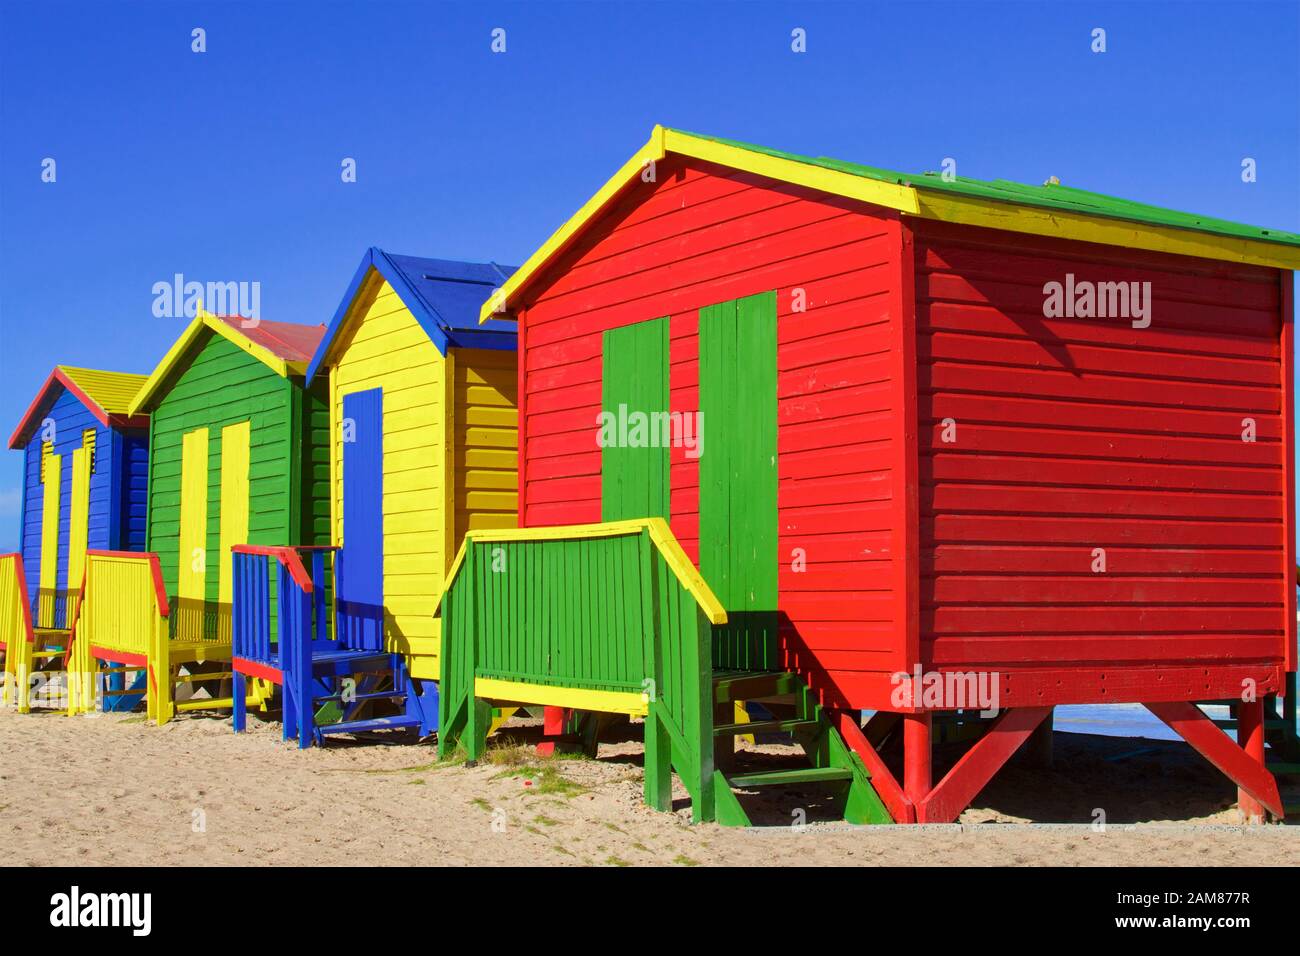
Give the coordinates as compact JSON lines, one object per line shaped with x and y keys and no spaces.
{"x":1250,"y":737}
{"x":916,"y":756}
{"x":553,"y":721}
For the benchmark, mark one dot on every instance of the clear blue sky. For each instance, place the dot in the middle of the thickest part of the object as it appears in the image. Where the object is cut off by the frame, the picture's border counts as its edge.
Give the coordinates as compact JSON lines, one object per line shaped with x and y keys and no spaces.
{"x":225,"y":165}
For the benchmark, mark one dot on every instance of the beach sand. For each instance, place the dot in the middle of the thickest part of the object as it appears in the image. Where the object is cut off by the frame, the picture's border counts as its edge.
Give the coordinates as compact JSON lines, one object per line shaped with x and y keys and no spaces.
{"x":111,"y":790}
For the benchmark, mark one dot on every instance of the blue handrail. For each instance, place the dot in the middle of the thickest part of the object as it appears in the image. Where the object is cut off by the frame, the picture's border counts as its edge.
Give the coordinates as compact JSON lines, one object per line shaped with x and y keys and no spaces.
{"x":302,"y":627}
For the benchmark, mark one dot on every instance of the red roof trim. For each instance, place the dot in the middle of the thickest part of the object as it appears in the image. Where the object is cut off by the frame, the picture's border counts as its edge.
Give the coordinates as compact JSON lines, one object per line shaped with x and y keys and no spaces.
{"x":62,"y":378}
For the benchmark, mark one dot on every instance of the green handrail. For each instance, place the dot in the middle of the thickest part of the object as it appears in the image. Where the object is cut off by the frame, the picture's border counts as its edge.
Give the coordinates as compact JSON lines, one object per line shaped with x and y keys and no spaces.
{"x":609,"y":616}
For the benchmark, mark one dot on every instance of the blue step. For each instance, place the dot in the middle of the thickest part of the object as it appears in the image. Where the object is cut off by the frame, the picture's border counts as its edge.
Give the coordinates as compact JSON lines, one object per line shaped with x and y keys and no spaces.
{"x":373,"y":723}
{"x":371,"y":695}
{"x":124,"y":702}
{"x":343,"y":663}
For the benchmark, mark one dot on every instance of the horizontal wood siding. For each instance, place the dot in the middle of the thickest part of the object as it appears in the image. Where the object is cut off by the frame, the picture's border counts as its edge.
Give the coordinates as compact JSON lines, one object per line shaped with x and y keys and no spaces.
{"x":133,"y":471}
{"x":1087,"y":433}
{"x":315,"y":470}
{"x":384,"y":347}
{"x":71,"y":420}
{"x":702,"y":235}
{"x":485,"y":447}
{"x":220,"y":385}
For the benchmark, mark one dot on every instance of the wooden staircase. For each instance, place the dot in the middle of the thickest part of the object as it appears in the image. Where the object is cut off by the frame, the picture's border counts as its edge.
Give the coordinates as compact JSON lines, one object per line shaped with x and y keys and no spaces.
{"x":831,"y":765}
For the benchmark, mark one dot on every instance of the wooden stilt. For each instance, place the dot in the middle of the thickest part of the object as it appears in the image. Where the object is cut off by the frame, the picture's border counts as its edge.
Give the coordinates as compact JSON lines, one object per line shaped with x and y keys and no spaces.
{"x":977,"y":766}
{"x":891,"y":794}
{"x":1250,"y":738}
{"x":554,"y":720}
{"x":658,"y":767}
{"x":1244,"y":769}
{"x":916,"y":756}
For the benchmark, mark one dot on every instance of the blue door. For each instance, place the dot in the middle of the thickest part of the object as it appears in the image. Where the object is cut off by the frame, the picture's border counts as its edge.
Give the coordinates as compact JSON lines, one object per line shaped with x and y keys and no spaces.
{"x":360,"y":581}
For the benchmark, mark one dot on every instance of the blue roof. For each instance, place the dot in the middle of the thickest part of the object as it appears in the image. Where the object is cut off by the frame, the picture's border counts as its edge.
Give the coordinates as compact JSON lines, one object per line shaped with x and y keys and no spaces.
{"x":444,"y":295}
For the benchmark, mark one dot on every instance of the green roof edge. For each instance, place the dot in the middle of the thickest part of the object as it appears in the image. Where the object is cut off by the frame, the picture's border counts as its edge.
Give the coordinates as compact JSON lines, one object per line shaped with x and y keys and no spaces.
{"x":1063,"y":198}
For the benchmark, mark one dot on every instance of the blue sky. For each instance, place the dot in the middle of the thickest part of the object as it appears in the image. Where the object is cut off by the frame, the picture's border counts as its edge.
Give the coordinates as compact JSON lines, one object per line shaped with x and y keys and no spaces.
{"x":225,"y":165}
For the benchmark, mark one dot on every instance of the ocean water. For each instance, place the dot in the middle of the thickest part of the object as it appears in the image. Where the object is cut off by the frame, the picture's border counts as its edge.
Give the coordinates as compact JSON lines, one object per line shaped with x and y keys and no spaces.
{"x":1120,"y":720}
{"x":1117,"y":720}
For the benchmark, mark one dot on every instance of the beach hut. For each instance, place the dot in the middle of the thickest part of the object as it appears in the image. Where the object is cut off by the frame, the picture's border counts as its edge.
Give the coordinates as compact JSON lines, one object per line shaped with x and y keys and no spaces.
{"x":237,"y":455}
{"x":85,"y":466}
{"x":422,"y":425}
{"x":934,"y":444}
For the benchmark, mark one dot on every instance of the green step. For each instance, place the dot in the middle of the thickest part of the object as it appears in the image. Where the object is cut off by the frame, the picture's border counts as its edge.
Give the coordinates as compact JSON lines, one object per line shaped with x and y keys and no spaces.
{"x":784,"y":778}
{"x":1284,"y":767}
{"x":743,"y":685}
{"x":764,"y":727}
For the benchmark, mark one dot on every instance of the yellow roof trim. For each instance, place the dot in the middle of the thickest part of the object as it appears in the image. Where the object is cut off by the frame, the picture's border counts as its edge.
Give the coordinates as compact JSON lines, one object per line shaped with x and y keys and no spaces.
{"x":652,"y":151}
{"x":907,"y":200}
{"x":660,"y":534}
{"x":206,"y":320}
{"x":1059,"y":224}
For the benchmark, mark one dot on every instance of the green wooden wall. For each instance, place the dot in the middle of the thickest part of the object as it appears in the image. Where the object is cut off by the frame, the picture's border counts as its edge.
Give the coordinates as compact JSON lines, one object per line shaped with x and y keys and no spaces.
{"x":288,"y":496}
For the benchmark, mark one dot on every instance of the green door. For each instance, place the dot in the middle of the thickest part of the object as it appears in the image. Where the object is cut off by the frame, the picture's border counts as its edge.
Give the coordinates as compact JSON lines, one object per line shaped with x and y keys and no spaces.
{"x":738,"y":521}
{"x":633,"y":427}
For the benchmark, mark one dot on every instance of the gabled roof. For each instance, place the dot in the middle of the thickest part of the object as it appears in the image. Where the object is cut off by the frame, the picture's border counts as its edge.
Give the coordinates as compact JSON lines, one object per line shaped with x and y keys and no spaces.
{"x":106,"y":394}
{"x":283,"y":347}
{"x":442,"y":294}
{"x":1048,"y":210}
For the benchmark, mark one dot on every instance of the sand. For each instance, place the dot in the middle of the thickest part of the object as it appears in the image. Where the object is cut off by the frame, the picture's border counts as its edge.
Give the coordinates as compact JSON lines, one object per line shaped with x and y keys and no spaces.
{"x":110,"y":790}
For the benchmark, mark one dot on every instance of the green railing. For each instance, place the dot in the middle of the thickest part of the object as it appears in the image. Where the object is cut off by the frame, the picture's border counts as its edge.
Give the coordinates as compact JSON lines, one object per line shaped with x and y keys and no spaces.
{"x":606,"y":617}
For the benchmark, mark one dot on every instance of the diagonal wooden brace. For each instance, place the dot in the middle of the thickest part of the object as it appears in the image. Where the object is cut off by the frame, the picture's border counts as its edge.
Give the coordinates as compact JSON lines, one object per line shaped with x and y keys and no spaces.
{"x":1189,"y":722}
{"x":951,"y":795}
{"x":886,"y":787}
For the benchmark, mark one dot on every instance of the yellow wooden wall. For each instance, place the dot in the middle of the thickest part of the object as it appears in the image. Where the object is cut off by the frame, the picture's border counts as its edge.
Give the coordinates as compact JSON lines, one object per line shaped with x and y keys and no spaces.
{"x":384,"y":347}
{"x":485,"y":447}
{"x":452,"y":416}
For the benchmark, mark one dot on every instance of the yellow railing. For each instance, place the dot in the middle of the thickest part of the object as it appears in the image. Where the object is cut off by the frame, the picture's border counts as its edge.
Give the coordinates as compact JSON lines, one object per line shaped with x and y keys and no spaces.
{"x":121,"y":617}
{"x":15,"y":631}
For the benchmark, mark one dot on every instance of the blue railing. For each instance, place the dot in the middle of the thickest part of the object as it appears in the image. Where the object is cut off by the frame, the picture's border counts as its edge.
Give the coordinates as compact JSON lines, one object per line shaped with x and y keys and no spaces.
{"x":277,"y":640}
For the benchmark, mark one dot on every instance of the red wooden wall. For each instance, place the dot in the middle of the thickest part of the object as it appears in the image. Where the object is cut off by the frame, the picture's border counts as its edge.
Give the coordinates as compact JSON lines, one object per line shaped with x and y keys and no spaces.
{"x":703,"y":235}
{"x":1072,"y":435}
{"x":1075,"y":434}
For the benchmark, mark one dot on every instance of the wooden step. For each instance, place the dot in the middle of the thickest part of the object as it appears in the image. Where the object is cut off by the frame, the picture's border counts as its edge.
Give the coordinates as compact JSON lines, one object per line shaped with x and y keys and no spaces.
{"x":357,"y":698}
{"x":785,"y":778}
{"x":746,"y":685}
{"x":374,"y":723}
{"x":764,"y":727}
{"x":214,"y":703}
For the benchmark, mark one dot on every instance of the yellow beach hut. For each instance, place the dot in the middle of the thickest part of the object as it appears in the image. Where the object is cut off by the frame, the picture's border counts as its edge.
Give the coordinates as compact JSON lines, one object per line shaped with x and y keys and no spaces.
{"x":423,"y":441}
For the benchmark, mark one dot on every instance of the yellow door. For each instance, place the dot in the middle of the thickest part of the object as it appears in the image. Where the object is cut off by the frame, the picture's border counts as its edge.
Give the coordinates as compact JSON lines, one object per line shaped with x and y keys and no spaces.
{"x":191,"y":557}
{"x":234,"y":513}
{"x":80,"y":521}
{"x":51,"y":468}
